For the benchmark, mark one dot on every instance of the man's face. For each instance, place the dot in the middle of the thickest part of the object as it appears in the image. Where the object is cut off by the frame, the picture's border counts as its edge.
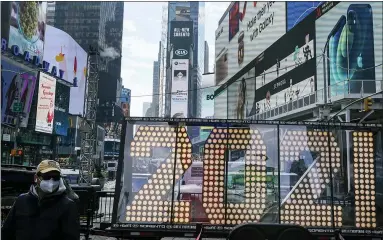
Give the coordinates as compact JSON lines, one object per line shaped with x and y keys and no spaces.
{"x":55,"y":175}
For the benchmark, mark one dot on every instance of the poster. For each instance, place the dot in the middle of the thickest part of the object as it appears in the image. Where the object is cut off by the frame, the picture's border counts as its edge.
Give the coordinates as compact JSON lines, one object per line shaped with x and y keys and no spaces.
{"x":45,"y":103}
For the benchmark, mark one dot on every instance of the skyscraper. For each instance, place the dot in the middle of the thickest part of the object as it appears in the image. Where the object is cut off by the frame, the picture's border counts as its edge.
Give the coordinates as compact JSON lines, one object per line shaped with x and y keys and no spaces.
{"x":99,"y":24}
{"x":195,"y":12}
{"x":156,"y":89}
{"x":146,"y":109}
{"x":206,"y":58}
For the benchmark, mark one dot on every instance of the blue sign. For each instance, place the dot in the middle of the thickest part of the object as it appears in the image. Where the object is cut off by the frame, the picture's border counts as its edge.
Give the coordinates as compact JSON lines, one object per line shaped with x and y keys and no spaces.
{"x":297,"y":11}
{"x":35,"y":60}
{"x":125,"y":95}
{"x":61,"y":123}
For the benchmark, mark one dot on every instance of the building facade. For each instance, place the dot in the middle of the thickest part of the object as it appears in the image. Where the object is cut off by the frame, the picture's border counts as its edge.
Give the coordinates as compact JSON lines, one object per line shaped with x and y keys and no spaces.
{"x":195,"y":12}
{"x":206,"y":58}
{"x":156,"y":89}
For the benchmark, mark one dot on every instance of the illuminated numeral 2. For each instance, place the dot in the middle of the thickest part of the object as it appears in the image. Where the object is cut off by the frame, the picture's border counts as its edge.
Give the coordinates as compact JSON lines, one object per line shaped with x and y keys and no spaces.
{"x":151,"y":203}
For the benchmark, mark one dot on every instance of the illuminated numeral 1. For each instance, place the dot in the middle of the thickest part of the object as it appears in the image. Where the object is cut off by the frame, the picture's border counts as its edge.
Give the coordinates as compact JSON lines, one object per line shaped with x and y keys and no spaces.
{"x":301,"y":205}
{"x":219,"y":141}
{"x":152,"y":203}
{"x":364,"y":180}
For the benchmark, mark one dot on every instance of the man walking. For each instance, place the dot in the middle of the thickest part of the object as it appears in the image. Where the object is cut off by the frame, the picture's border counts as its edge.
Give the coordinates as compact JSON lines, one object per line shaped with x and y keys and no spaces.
{"x":45,"y":212}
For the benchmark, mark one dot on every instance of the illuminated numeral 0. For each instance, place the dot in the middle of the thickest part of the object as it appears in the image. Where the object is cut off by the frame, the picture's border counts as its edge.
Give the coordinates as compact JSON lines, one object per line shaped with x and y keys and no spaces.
{"x":218,"y":142}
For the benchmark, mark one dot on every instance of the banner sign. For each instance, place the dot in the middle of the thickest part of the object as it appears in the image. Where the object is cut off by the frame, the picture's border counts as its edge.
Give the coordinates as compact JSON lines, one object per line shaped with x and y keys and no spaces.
{"x":180,"y":81}
{"x":45,"y":103}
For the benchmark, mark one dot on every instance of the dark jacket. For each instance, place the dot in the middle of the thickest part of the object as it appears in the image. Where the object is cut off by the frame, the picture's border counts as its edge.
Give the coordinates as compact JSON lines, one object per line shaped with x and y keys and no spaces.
{"x":51,"y":218}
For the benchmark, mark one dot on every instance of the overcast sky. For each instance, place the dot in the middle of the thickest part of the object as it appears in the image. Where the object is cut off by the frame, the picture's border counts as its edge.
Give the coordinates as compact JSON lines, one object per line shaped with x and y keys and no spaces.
{"x":142,"y":33}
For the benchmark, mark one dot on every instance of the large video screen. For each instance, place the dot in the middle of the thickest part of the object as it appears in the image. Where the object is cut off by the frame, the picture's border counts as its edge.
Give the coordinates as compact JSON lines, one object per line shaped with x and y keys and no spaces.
{"x":318,"y":176}
{"x":245,"y":32}
{"x":350,"y":36}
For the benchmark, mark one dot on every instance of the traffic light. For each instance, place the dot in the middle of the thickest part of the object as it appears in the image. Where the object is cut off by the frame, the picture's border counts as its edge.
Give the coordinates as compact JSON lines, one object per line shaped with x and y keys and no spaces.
{"x":367,"y":104}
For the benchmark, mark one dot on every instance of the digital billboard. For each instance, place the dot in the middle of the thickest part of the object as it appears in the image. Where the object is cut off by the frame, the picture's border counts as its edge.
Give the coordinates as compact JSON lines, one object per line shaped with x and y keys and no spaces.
{"x":249,"y":171}
{"x":207,"y":96}
{"x":45,"y":103}
{"x":181,"y":38}
{"x":245,"y":32}
{"x":125,"y":101}
{"x":62,"y":51}
{"x":297,"y":11}
{"x":282,"y":73}
{"x":350,"y":37}
{"x":61,"y":122}
{"x":27,"y":26}
{"x":15,"y":78}
{"x":180,"y":87}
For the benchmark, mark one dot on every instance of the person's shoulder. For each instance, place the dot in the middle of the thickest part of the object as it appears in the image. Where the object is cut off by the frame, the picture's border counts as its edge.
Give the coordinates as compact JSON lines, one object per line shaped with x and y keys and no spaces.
{"x":66,"y":200}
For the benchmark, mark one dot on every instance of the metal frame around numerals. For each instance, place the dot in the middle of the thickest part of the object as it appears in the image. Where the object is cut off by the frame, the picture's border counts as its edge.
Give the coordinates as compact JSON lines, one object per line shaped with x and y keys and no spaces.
{"x":89,"y":127}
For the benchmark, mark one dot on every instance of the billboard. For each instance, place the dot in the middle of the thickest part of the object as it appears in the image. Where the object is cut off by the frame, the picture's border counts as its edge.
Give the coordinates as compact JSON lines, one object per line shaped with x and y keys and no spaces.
{"x":297,"y":11}
{"x":286,"y":71}
{"x":207,"y":96}
{"x":15,"y":78}
{"x":61,"y":122}
{"x":250,"y":170}
{"x":283,"y":73}
{"x":63,"y":52}
{"x":27,"y":27}
{"x":125,"y":101}
{"x":350,"y":36}
{"x":181,"y":37}
{"x":245,"y":32}
{"x":180,"y":87}
{"x":45,"y":103}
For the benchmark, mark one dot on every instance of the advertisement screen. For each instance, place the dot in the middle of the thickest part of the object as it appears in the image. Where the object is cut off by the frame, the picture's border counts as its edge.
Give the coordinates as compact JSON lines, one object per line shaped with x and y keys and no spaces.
{"x":248,"y":29}
{"x":63,"y":52}
{"x":285,"y":72}
{"x":45,"y":103}
{"x":240,"y":96}
{"x":250,"y":172}
{"x":297,"y":11}
{"x":181,"y":37}
{"x":207,"y":95}
{"x":27,"y":27}
{"x":125,"y":101}
{"x":75,"y":60}
{"x":180,"y":81}
{"x":350,"y":36}
{"x":15,"y":78}
{"x":61,"y":121}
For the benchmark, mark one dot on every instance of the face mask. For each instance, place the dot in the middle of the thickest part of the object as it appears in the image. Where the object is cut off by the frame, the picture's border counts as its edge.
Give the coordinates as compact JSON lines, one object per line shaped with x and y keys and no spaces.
{"x":49,"y":186}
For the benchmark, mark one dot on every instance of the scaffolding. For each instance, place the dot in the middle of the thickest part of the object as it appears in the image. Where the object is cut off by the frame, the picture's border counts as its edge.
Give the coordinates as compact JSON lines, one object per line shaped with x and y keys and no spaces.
{"x":88,"y":127}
